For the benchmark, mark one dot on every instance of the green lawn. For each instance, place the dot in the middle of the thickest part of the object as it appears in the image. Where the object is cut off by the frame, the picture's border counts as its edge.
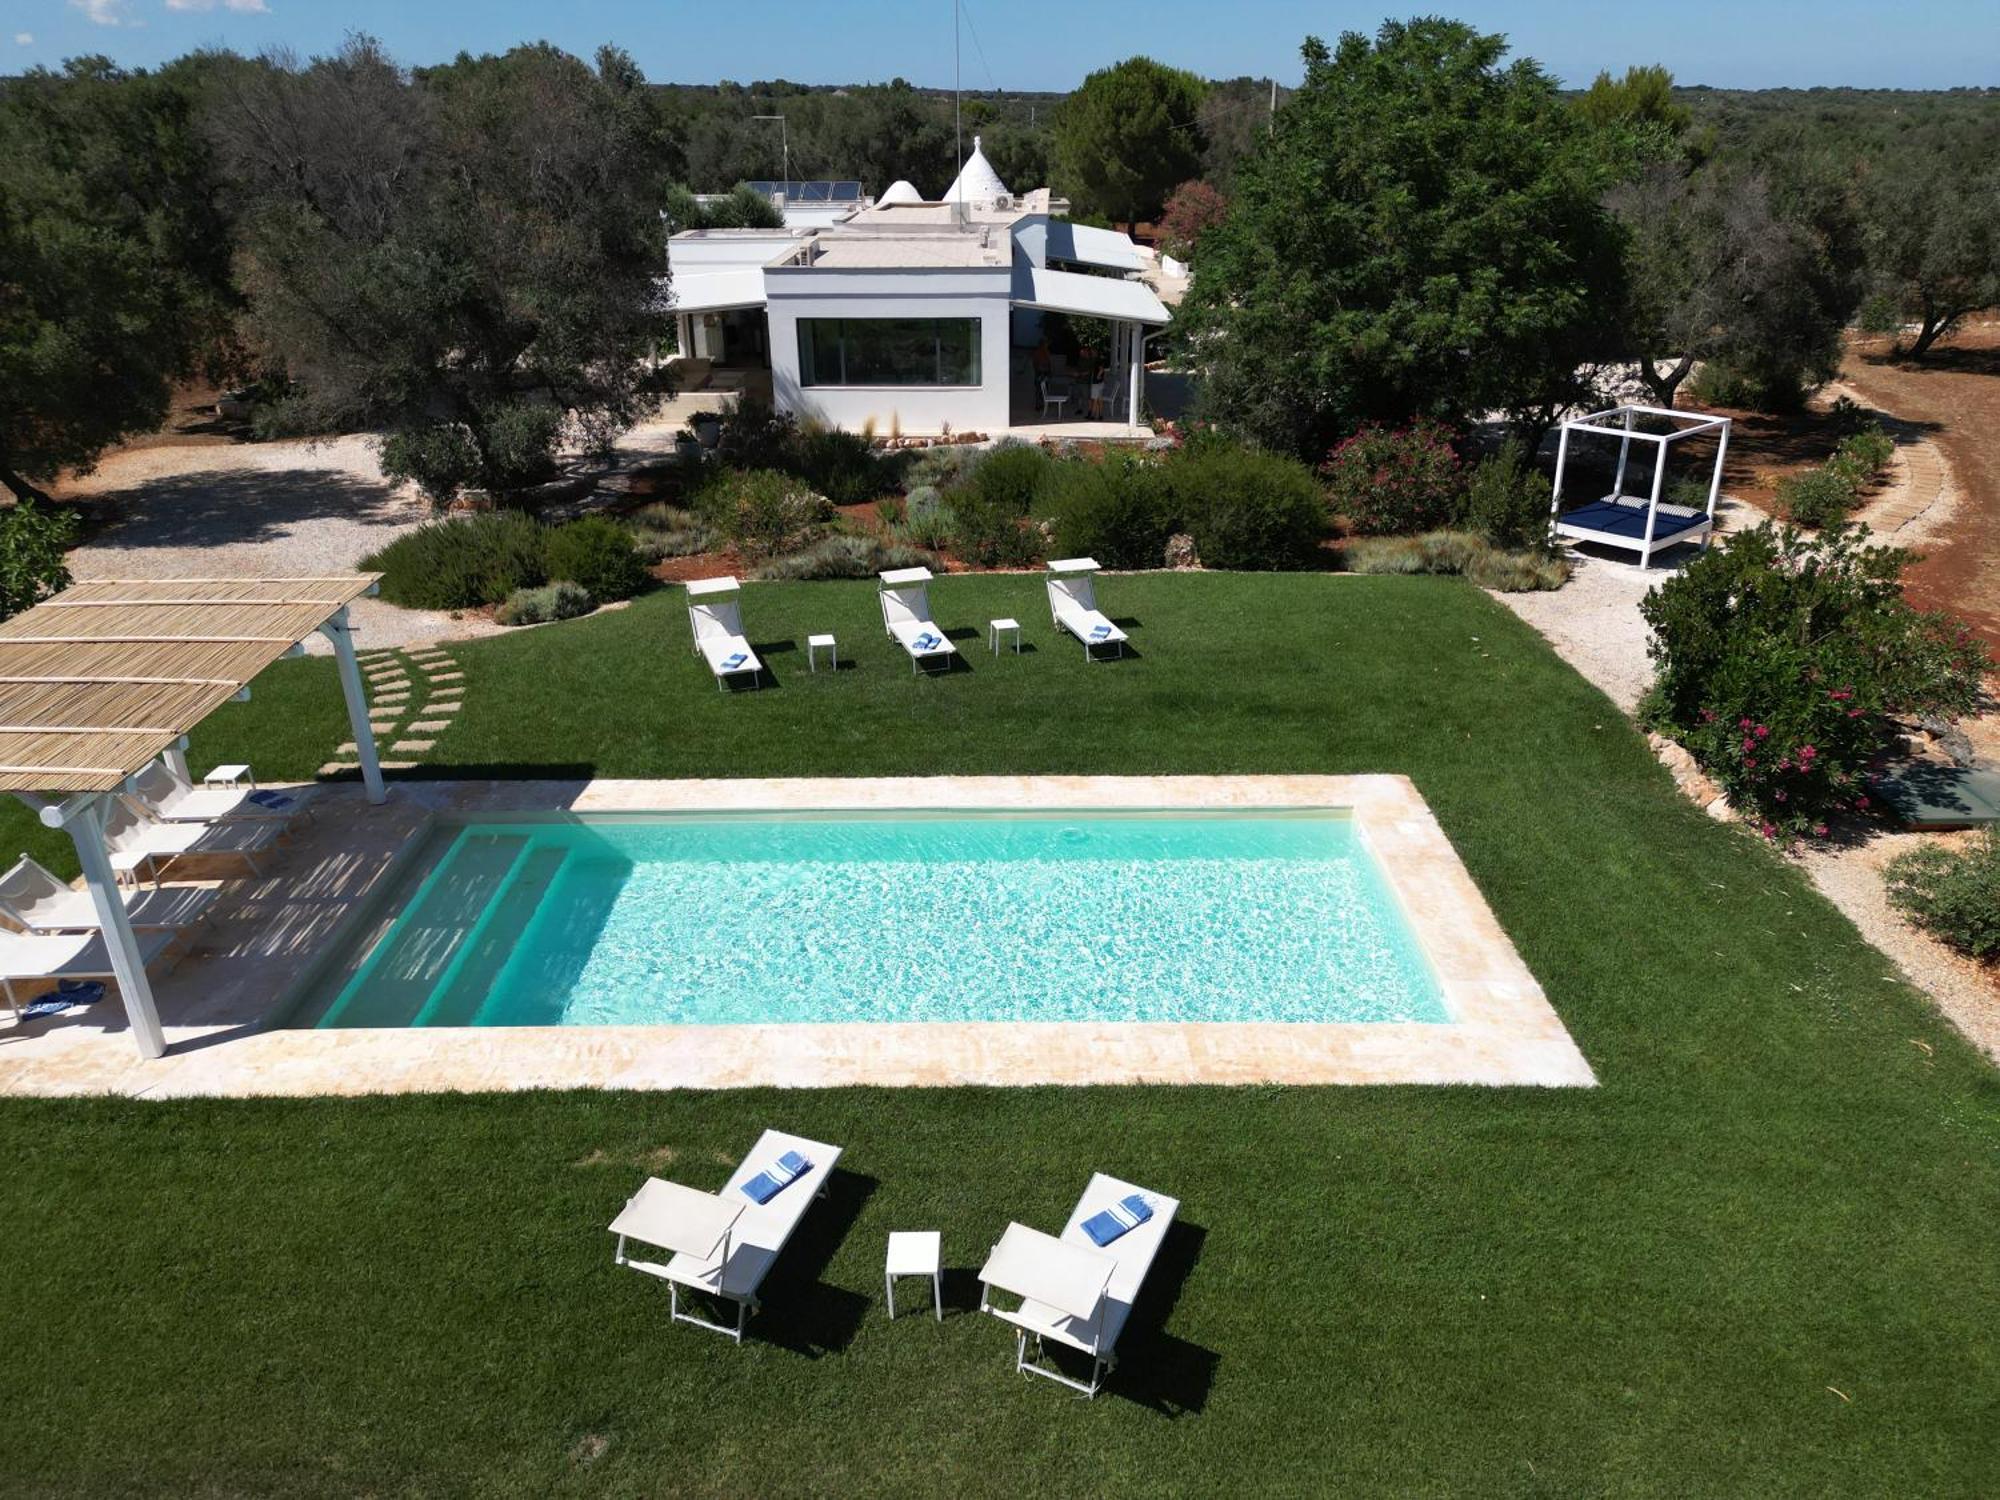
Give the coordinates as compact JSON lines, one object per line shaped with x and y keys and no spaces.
{"x":1761,"y":1258}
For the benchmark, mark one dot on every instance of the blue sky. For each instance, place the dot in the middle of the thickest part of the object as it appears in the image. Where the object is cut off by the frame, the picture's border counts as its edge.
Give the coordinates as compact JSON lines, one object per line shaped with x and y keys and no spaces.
{"x":1049,"y":44}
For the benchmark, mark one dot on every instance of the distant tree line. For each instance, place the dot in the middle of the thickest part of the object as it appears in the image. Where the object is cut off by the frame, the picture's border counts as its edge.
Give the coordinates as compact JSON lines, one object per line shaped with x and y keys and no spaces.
{"x":464,"y":257}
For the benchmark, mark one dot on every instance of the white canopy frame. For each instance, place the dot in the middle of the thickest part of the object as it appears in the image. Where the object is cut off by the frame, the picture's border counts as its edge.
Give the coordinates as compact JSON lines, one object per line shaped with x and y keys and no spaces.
{"x":1614,"y":520}
{"x":90,"y":788}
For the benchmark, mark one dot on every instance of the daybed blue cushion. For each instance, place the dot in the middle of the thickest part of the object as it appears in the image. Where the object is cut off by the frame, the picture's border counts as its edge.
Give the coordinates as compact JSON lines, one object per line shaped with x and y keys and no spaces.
{"x":775,"y":1178}
{"x":1121,"y":1217}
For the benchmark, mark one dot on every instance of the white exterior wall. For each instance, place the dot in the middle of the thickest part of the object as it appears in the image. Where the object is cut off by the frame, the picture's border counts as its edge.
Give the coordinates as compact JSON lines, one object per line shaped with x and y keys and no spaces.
{"x":821,"y":292}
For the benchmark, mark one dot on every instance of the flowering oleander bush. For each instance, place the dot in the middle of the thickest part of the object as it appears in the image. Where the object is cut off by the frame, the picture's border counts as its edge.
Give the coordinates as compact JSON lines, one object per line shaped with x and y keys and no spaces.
{"x":1395,"y":480}
{"x":1783,"y":661}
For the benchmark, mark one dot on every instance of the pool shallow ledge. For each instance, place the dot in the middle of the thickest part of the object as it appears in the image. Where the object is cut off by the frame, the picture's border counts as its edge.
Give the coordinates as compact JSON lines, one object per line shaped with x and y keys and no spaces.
{"x":1503,"y":1030}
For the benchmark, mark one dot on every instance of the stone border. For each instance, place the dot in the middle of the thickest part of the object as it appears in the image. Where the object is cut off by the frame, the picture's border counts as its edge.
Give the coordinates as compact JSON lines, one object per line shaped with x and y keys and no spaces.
{"x":1503,"y":1031}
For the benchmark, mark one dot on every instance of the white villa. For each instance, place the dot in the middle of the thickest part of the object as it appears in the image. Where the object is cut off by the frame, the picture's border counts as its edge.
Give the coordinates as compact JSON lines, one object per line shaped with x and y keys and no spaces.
{"x":922,"y":316}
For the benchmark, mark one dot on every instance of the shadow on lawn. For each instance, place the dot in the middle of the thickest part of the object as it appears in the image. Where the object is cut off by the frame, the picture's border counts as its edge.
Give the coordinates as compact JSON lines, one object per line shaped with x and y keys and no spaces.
{"x":1156,"y":1370}
{"x":802,"y":1311}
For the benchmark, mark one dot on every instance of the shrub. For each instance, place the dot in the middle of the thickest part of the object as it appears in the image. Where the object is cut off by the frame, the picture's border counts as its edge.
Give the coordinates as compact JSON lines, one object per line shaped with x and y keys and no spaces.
{"x":1869,"y":447}
{"x":1463,"y":553}
{"x":463,"y":562}
{"x":1953,"y":894}
{"x":1783,"y":661}
{"x":753,"y":436}
{"x":34,"y":541}
{"x":844,"y":557}
{"x":927,"y":520}
{"x":561,"y":600}
{"x":1818,"y":498}
{"x":1507,"y":500}
{"x":1117,"y":511}
{"x":1396,"y":481}
{"x":840,"y":465}
{"x":891,"y":509}
{"x":764,"y":512}
{"x":942,"y":466}
{"x":1245,"y":508}
{"x":993,"y":504}
{"x":598,"y":555}
{"x":661,"y":531}
{"x":440,"y":459}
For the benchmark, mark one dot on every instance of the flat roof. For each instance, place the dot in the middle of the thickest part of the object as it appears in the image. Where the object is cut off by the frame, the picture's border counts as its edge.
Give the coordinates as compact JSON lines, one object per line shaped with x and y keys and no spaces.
{"x":893,"y":252}
{"x":1087,"y":296}
{"x":98,"y":680}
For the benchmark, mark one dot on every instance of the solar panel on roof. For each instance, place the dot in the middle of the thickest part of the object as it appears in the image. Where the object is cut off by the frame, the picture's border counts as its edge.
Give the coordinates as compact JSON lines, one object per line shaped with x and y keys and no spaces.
{"x":810,"y":192}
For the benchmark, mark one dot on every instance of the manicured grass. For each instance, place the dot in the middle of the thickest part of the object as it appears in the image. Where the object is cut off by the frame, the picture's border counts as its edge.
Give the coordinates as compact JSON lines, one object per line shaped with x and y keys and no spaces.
{"x":1759,"y":1259}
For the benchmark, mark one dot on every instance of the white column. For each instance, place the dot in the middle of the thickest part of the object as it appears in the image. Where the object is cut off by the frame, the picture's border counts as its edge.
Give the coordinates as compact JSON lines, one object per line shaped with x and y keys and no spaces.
{"x":85,"y":826}
{"x":1556,"y":494}
{"x":338,"y":631}
{"x":1138,"y":378}
{"x":175,"y":755}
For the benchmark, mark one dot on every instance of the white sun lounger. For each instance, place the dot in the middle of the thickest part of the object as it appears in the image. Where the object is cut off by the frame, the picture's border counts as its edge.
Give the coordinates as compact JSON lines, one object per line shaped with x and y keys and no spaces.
{"x":906,"y":615}
{"x":140,"y":844}
{"x":172,"y":798}
{"x":76,"y":955}
{"x":715,"y":615}
{"x":1073,"y":603}
{"x":723,"y":1243}
{"x":35,"y":901}
{"x":1072,"y":1290}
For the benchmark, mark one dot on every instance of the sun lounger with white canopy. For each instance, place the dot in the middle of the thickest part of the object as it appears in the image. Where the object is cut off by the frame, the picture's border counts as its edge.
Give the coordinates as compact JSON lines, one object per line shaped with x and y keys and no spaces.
{"x":139,"y":843}
{"x":1073,"y":1290}
{"x":906,"y":615}
{"x":715,"y":614}
{"x":1073,"y":603}
{"x":34,"y":900}
{"x":28,"y":957}
{"x":166,"y":792}
{"x":722,"y":1244}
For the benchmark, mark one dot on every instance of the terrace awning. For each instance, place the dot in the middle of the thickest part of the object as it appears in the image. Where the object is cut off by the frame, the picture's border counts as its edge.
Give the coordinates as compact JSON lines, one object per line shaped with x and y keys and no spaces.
{"x":717,"y":291}
{"x":100,"y":680}
{"x":1086,"y":296}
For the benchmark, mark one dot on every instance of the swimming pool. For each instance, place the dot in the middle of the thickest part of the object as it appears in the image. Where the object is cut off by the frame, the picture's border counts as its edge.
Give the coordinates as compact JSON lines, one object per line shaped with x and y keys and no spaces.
{"x":753,"y":919}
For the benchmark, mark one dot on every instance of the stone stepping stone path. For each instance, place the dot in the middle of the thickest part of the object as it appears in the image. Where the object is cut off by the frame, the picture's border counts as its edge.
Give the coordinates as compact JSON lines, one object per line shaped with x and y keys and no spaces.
{"x":414,"y":692}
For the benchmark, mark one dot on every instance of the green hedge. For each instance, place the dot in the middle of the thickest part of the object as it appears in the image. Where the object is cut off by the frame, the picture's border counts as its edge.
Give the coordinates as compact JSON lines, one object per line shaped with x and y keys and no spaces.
{"x":469,"y":561}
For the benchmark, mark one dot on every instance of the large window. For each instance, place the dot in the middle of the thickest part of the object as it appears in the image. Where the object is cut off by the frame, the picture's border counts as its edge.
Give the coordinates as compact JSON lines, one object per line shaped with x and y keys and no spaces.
{"x":889,"y":351}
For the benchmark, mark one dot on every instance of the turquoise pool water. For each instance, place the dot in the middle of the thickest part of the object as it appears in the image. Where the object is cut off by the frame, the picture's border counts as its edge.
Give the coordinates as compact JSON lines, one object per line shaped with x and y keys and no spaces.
{"x":849,"y":917}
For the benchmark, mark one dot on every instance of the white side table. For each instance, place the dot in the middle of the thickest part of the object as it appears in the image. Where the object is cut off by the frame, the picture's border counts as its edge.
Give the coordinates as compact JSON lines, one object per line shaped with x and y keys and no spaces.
{"x":915,"y":1253}
{"x":232,"y":775}
{"x":814,"y":645}
{"x":996,"y":628}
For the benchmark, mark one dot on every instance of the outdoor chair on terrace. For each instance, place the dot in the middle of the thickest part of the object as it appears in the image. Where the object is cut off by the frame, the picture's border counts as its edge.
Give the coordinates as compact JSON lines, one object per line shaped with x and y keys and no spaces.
{"x":722,"y":1244}
{"x":140,"y":844}
{"x":75,"y":957}
{"x":1078,"y":1288}
{"x":169,"y":796}
{"x":35,"y":901}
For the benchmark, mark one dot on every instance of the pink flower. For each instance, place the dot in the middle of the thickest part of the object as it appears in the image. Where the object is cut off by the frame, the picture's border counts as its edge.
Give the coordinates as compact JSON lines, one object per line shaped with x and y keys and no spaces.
{"x":1854,"y":713}
{"x":1768,"y":831}
{"x":1781,"y":796}
{"x":1763,"y":731}
{"x":1751,"y":764}
{"x":1819,"y":830}
{"x":1742,"y":723}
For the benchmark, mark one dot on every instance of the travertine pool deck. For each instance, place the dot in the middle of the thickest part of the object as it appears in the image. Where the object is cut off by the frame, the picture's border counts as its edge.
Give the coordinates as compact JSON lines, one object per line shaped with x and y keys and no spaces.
{"x":221,"y":1004}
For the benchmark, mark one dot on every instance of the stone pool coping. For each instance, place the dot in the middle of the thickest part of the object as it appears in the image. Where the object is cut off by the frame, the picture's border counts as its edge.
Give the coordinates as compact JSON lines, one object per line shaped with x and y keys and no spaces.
{"x":217,"y":1003}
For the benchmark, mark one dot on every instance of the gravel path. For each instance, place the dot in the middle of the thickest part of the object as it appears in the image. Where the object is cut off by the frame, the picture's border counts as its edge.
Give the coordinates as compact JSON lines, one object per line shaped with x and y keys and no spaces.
{"x":1594,"y":624}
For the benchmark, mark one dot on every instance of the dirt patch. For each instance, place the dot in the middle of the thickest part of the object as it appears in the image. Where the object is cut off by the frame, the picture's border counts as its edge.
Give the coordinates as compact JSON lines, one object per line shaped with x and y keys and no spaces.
{"x":1955,"y":394}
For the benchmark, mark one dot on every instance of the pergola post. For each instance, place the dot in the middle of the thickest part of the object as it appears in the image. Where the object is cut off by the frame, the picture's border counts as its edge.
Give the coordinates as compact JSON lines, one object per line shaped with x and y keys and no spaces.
{"x":83,"y":819}
{"x":1138,"y":339}
{"x":1653,"y":505}
{"x":1715,"y":480}
{"x":341,"y":634}
{"x":1556,"y":494}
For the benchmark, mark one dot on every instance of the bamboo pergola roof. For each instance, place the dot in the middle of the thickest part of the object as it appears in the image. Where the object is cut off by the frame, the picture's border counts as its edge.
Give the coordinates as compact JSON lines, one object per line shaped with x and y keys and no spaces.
{"x":98,"y":680}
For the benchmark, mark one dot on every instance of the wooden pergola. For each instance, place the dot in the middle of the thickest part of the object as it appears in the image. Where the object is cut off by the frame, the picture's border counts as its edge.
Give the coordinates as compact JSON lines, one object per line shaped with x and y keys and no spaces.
{"x":100,"y":680}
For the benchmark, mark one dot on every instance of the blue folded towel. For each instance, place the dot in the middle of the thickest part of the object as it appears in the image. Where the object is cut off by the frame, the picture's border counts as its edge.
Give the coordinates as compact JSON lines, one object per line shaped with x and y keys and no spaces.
{"x":1099,"y":632}
{"x":1117,"y":1219}
{"x":67,"y":993}
{"x":276,"y":801}
{"x":775,"y":1178}
{"x":731,"y":663}
{"x":928,"y":642}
